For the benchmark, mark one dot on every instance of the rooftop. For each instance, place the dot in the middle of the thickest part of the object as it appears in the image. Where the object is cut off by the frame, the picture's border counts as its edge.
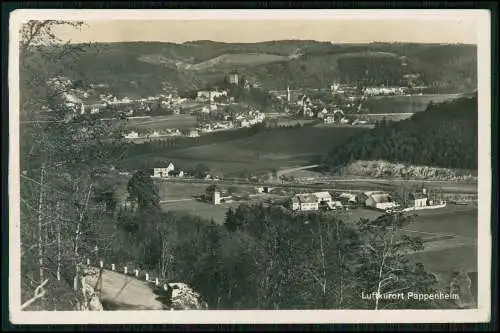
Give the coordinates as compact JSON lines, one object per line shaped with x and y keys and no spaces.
{"x":418,"y":195}
{"x":306,"y":198}
{"x":381,"y":198}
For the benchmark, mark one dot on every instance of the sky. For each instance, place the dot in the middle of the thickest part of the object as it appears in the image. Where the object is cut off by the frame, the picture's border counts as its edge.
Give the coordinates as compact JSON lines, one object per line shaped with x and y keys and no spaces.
{"x":421,"y":30}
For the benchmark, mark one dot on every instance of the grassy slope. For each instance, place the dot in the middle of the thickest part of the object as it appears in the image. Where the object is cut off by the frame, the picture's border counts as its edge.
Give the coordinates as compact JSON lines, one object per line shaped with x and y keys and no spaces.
{"x":276,"y":148}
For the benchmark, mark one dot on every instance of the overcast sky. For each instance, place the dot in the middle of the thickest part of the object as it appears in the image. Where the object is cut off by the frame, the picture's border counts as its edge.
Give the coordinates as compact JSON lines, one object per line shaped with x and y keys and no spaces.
{"x":430,"y":30}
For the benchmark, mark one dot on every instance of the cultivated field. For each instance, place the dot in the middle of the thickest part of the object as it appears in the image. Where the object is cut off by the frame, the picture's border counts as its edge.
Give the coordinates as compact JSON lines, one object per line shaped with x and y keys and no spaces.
{"x":203,"y":209}
{"x":293,"y":122}
{"x":402,"y":104}
{"x":162,"y":122}
{"x":278,"y":148}
{"x":387,"y":116}
{"x":236,"y":59}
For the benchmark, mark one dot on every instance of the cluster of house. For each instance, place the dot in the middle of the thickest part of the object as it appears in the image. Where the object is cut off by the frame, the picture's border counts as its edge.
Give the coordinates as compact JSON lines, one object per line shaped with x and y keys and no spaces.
{"x":377,"y":200}
{"x":210,"y":95}
{"x":169,"y":132}
{"x":314,"y":201}
{"x":384,"y":91}
{"x":240,"y":120}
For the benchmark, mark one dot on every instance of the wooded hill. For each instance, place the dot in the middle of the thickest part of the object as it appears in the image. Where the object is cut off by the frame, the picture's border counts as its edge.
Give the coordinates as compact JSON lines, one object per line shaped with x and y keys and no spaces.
{"x":445,"y":135}
{"x":145,"y":67}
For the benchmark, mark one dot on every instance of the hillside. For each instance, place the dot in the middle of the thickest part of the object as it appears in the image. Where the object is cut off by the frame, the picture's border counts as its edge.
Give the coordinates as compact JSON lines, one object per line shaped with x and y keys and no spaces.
{"x":230,"y":60}
{"x":145,"y":67}
{"x":445,"y":135}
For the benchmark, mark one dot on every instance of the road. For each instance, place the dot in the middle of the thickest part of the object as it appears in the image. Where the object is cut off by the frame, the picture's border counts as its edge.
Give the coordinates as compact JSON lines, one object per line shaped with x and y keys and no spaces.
{"x":126,"y":292}
{"x":282,"y":172}
{"x":353,"y":185}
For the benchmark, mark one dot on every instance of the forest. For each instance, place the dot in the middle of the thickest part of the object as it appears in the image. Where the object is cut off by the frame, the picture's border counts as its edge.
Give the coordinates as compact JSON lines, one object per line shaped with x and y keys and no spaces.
{"x":445,"y":135}
{"x":269,"y":258}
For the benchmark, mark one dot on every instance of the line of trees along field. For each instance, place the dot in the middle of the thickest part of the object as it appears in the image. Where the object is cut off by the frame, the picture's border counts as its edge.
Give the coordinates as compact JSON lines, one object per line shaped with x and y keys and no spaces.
{"x":445,"y":135}
{"x":262,"y":258}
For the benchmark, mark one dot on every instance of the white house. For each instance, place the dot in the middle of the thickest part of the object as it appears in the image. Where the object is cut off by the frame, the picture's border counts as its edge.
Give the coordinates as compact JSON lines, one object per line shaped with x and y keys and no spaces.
{"x":193,"y":133}
{"x":132,"y":135}
{"x":210,"y":95}
{"x":304,"y":202}
{"x":329,"y":120}
{"x":163,"y":171}
{"x":419,"y":199}
{"x":349,"y":197}
{"x":379,"y":200}
{"x":323,"y":197}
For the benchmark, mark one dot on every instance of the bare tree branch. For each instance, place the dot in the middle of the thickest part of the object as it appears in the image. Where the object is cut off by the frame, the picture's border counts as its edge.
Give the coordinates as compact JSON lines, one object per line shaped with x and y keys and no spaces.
{"x":39,"y":293}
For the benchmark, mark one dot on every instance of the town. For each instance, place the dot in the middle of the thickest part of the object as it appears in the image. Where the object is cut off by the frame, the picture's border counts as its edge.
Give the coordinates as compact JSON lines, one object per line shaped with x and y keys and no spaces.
{"x":212,"y":109}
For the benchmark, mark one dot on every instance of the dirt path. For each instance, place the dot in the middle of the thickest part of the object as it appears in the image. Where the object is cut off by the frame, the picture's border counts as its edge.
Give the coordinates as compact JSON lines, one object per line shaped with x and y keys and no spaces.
{"x":127,"y":292}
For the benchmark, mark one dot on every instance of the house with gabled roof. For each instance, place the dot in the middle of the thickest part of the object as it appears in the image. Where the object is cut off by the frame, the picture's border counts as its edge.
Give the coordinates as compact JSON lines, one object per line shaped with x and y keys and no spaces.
{"x":163,"y":169}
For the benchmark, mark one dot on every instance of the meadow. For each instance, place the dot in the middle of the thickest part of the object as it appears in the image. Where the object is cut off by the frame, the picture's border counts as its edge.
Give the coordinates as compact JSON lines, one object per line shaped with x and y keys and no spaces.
{"x":404,"y":104}
{"x":162,"y":122}
{"x":277,"y":148}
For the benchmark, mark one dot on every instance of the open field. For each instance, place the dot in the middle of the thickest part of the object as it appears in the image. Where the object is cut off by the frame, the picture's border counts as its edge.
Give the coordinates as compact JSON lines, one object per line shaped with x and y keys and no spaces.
{"x":292,"y":122}
{"x":400,"y":104}
{"x":236,"y":59}
{"x":388,"y":116}
{"x":278,"y":148}
{"x":202,"y":209}
{"x":162,"y":122}
{"x":323,"y":125}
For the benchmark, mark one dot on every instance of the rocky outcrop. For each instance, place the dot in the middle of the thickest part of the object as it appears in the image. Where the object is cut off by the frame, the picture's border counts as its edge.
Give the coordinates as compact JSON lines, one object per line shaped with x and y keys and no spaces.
{"x":398,"y":170}
{"x":185,"y":298}
{"x":91,"y":301}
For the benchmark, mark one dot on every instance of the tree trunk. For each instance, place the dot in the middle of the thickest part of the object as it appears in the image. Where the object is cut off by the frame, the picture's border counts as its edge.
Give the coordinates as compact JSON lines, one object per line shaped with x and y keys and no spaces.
{"x":40,"y":223}
{"x":340,"y":266}
{"x":58,"y":231}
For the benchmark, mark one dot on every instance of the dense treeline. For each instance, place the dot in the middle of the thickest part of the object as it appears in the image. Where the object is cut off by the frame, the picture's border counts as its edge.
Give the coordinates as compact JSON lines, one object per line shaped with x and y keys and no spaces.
{"x":445,"y":135}
{"x":269,"y":258}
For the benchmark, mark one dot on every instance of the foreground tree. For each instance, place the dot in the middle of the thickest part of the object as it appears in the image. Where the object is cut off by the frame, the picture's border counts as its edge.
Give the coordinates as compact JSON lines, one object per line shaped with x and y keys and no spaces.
{"x":141,"y":189}
{"x":63,"y":155}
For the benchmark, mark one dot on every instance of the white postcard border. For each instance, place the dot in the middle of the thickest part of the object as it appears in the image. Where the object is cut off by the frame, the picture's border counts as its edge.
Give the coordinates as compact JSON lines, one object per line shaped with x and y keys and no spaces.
{"x":481,"y":314}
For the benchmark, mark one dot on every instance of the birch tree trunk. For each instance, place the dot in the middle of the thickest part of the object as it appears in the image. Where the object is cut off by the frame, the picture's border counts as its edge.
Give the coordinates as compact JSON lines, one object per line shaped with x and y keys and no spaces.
{"x":340,"y":267}
{"x":58,"y":231}
{"x":40,"y":225}
{"x":385,"y":254}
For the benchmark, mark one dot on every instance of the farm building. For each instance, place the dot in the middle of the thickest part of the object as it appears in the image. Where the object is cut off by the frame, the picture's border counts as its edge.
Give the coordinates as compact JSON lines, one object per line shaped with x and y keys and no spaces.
{"x":163,"y":170}
{"x":312,"y":201}
{"x":216,"y":194}
{"x":233,"y":77}
{"x":304,"y":202}
{"x":323,"y":197}
{"x":348,"y":198}
{"x":379,"y":200}
{"x":419,"y":199}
